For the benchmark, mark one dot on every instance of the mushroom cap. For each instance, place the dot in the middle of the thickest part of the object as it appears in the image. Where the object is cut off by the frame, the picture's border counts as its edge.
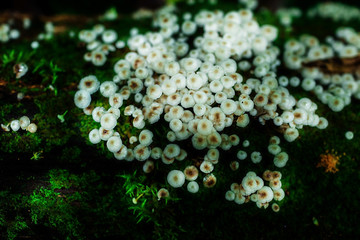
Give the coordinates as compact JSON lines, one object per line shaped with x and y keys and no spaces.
{"x":228,"y":106}
{"x":214,"y":139}
{"x":182,"y":155}
{"x":206,"y":167}
{"x":176,"y":178}
{"x":108,"y":88}
{"x":279,"y":194}
{"x":108,"y":121}
{"x":193,"y":187}
{"x":213,"y":154}
{"x":15,"y":125}
{"x":256,"y":157}
{"x":32,"y":128}
{"x":146,"y":137}
{"x":276,"y":175}
{"x":241,"y":155}
{"x":275,"y":207}
{"x":148,"y":166}
{"x":142,"y":152}
{"x":281,"y":159}
{"x":98,"y":58}
{"x":116,"y":100}
{"x":209,"y":180}
{"x":105,"y":134}
{"x":175,"y":124}
{"x":171,"y":150}
{"x":274,"y":149}
{"x":349,"y":135}
{"x":291,"y":134}
{"x":162,"y":193}
{"x":82,"y":99}
{"x":199,"y":141}
{"x":265,"y":194}
{"x":204,"y":127}
{"x":275,"y":184}
{"x":89,"y":83}
{"x":156,"y":153}
{"x":114,"y":144}
{"x":239,"y":198}
{"x":191,"y":173}
{"x":123,"y":153}
{"x":24,"y":122}
{"x":249,"y":184}
{"x":154,"y":91}
{"x":243,"y":120}
{"x":274,"y":140}
{"x":267,"y":175}
{"x":230,"y":195}
{"x":97,"y":113}
{"x":94,"y":136}
{"x":234,"y":140}
{"x":234,"y":165}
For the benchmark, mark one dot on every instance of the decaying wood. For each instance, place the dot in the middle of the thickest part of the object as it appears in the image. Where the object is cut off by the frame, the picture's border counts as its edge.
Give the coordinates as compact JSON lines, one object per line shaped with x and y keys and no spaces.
{"x":336,"y":65}
{"x":59,"y":18}
{"x":62,"y":22}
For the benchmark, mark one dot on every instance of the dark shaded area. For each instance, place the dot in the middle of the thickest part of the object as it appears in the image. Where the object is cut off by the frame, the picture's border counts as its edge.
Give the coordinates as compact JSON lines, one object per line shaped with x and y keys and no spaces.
{"x":91,"y":7}
{"x":123,"y":6}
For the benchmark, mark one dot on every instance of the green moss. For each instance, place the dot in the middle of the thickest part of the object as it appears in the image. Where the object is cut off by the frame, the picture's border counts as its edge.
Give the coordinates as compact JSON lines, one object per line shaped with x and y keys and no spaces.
{"x":20,"y":142}
{"x":54,"y":210}
{"x":16,"y":227}
{"x":12,"y":220}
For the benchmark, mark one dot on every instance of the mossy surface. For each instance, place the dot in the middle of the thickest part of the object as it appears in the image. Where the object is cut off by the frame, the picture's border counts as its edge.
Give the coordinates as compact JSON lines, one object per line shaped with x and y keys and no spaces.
{"x":55,"y":184}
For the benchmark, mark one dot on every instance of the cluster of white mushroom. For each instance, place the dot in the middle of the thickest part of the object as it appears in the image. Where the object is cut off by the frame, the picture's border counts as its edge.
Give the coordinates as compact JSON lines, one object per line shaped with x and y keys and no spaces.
{"x":199,"y":92}
{"x":287,"y":15}
{"x":23,"y":123}
{"x":252,"y":188}
{"x":99,"y":42}
{"x":336,"y":11}
{"x":6,"y":33}
{"x":46,"y":35}
{"x":177,"y":178}
{"x":280,"y":158}
{"x":335,"y":90}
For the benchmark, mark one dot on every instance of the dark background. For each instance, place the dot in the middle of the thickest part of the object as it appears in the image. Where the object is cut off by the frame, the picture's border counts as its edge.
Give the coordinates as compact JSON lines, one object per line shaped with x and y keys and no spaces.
{"x":76,"y":6}
{"x":125,"y":6}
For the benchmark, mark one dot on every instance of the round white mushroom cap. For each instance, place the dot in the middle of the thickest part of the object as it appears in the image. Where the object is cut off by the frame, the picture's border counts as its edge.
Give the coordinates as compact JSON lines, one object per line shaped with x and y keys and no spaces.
{"x":114,"y":144}
{"x":108,"y":121}
{"x":32,"y":128}
{"x":15,"y":125}
{"x":176,"y":178}
{"x":349,"y":135}
{"x":89,"y":83}
{"x":24,"y":122}
{"x":281,"y":159}
{"x":193,"y":187}
{"x":230,"y":195}
{"x":82,"y":99}
{"x":94,"y":136}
